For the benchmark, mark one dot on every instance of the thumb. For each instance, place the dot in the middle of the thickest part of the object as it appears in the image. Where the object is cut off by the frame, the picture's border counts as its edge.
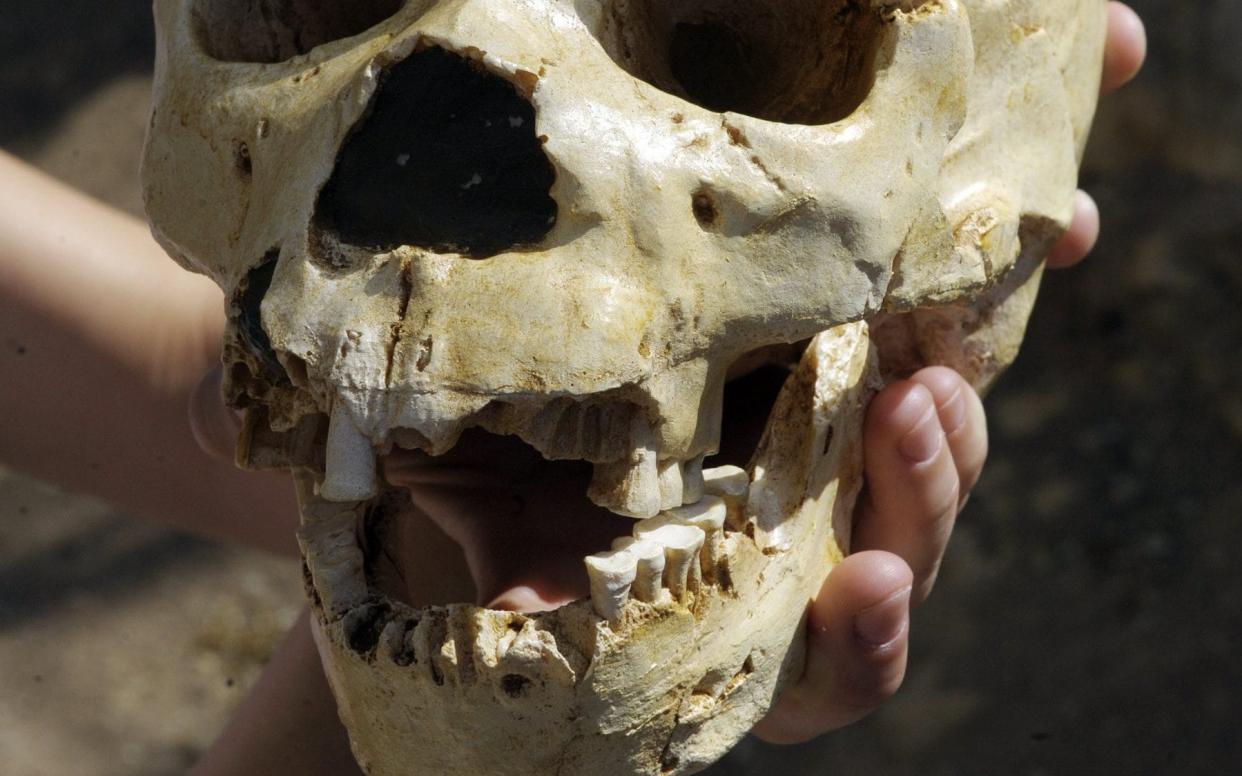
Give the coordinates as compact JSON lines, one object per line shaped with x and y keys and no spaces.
{"x":215,"y":426}
{"x":857,"y":640}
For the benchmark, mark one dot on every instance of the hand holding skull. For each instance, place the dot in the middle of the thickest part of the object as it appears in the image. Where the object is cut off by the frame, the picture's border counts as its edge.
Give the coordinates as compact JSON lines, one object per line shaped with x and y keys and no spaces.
{"x":358,"y":326}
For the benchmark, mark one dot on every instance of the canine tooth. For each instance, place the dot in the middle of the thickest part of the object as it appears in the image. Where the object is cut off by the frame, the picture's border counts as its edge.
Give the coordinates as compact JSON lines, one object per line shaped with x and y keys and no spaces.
{"x":611,"y":574}
{"x":671,"y":487}
{"x":708,"y":515}
{"x":628,"y":487}
{"x":349,"y":472}
{"x":732,"y":484}
{"x":692,"y":480}
{"x":650,"y":570}
{"x":681,"y":553}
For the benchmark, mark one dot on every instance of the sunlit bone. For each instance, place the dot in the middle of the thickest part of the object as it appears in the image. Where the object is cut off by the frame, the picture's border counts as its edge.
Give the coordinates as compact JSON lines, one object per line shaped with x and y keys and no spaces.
{"x":731,"y":484}
{"x":681,"y":543}
{"x":692,"y":480}
{"x":649,"y":576}
{"x":672,"y":487}
{"x":350,"y":468}
{"x":611,"y":574}
{"x":906,"y":164}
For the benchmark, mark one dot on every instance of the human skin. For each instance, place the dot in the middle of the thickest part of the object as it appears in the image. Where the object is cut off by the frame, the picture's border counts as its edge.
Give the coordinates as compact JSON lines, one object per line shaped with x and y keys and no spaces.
{"x":103,"y":344}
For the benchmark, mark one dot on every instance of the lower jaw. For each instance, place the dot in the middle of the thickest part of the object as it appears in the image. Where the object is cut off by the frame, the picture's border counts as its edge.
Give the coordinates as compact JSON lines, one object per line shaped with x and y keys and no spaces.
{"x":661,"y":671}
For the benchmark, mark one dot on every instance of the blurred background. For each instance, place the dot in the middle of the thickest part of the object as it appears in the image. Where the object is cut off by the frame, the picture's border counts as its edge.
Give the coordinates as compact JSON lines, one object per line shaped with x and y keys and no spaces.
{"x":1089,"y":615}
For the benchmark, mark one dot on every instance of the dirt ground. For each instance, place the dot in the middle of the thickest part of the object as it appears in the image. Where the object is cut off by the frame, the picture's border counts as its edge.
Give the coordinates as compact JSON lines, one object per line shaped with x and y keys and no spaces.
{"x":1087,"y":620}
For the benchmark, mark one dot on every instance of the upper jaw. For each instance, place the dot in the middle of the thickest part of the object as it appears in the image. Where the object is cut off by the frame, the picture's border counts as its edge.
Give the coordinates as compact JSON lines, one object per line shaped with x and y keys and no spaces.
{"x":661,"y":670}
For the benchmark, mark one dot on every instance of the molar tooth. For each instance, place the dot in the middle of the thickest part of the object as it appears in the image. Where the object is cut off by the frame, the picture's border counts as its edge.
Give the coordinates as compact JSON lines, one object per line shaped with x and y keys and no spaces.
{"x":692,"y":480}
{"x":671,"y":487}
{"x":349,"y":472}
{"x":611,"y":574}
{"x":650,"y":570}
{"x":681,"y":552}
{"x":708,"y":515}
{"x":732,"y":484}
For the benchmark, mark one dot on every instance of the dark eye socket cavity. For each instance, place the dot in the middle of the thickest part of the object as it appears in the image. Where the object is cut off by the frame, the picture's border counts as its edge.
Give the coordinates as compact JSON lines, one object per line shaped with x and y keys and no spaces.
{"x":447,"y":159}
{"x":271,"y":31}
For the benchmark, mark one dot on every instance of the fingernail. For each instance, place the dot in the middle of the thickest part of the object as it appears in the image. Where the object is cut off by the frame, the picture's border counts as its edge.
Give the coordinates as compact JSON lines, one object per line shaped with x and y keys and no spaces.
{"x":922,"y":442}
{"x":953,"y":413}
{"x":883,"y":623}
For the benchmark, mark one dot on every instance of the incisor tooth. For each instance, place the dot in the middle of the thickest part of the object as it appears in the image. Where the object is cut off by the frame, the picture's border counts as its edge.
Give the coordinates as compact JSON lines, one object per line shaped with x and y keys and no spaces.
{"x":650,"y":571}
{"x":671,"y":488}
{"x":732,"y":484}
{"x":708,"y":515}
{"x":349,"y":471}
{"x":681,"y":545}
{"x":611,"y":575}
{"x":692,"y":480}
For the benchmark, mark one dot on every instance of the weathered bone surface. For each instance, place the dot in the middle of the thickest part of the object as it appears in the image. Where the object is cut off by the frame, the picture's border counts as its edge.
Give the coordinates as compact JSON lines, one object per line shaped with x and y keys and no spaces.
{"x":564,"y":220}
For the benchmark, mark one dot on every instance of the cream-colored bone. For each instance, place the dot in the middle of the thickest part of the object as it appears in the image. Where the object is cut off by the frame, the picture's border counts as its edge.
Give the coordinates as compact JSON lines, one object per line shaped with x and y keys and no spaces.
{"x":329,"y":541}
{"x":349,"y":472}
{"x":649,"y":576}
{"x":681,"y":544}
{"x":610,"y":340}
{"x":708,"y":515}
{"x":611,"y":575}
{"x":732,"y":484}
{"x":692,"y":480}
{"x":672,"y":489}
{"x":630,"y":487}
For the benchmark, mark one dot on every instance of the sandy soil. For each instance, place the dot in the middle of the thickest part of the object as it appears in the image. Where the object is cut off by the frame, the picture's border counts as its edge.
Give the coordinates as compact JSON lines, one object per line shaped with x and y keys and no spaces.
{"x":1086,"y":621}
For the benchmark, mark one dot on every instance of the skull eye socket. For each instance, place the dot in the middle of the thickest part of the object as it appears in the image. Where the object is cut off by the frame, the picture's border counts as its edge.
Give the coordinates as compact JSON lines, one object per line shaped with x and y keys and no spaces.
{"x":271,"y":31}
{"x":447,"y":159}
{"x":791,"y":61}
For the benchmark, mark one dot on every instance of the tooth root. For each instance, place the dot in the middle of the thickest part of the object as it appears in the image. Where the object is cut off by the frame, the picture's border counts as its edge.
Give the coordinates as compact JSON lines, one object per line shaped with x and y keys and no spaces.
{"x":732,"y":484}
{"x":349,"y":472}
{"x":629,"y":488}
{"x":611,"y":575}
{"x":708,"y":515}
{"x":671,"y":487}
{"x":692,"y":480}
{"x":682,"y":544}
{"x":649,"y":574}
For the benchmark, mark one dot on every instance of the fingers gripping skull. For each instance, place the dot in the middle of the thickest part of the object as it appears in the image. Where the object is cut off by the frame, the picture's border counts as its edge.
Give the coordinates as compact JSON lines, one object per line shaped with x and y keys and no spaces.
{"x":564,"y":220}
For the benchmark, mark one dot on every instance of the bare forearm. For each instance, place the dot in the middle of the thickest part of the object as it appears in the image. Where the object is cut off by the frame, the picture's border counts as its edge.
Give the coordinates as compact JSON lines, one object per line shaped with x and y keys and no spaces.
{"x":102,"y":340}
{"x":288,"y":723}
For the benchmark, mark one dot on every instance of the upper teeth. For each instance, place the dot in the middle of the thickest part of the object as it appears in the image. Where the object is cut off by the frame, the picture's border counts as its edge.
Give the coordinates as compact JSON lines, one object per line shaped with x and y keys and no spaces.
{"x":349,"y":471}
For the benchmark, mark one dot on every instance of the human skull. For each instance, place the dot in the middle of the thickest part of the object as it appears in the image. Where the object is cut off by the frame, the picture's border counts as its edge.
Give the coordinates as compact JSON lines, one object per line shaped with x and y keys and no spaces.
{"x":564,"y":220}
